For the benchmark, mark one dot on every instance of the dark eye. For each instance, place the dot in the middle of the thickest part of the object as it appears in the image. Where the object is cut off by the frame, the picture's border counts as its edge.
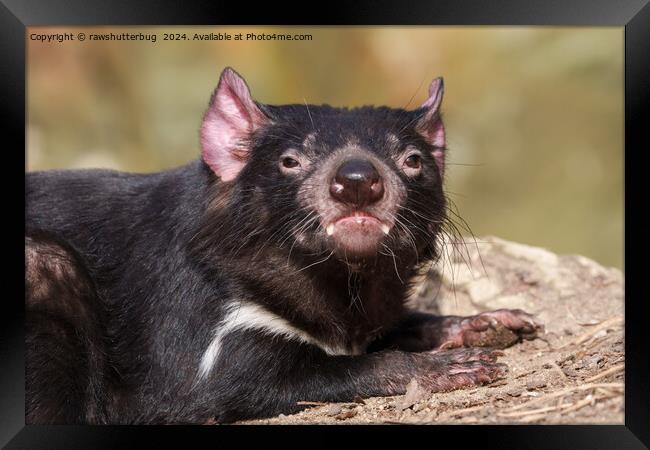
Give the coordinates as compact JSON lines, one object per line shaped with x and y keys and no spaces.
{"x":289,"y":163}
{"x":413,"y":161}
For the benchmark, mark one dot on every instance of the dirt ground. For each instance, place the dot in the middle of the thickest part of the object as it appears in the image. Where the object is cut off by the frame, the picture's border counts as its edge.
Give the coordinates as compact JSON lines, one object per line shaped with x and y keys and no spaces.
{"x":572,"y":374}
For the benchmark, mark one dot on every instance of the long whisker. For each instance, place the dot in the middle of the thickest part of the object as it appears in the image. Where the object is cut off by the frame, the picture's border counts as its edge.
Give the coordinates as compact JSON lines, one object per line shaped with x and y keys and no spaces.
{"x":309,"y":114}
{"x":317,"y":262}
{"x":394,"y":262}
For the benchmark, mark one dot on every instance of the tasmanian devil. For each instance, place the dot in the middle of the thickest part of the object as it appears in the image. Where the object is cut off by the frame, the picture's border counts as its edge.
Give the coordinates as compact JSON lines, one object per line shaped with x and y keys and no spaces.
{"x":273,"y":270}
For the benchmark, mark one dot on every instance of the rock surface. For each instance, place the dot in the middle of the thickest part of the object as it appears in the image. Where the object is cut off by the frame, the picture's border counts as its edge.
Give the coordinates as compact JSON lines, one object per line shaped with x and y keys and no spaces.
{"x":572,"y":374}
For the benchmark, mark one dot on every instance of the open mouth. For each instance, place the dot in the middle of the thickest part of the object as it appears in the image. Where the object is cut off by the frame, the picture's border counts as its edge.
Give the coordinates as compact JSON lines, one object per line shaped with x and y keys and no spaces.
{"x":357,"y":220}
{"x":357,"y":233}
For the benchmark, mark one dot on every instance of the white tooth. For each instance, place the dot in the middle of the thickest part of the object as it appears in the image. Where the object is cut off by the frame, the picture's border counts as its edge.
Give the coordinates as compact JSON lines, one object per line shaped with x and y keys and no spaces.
{"x":359,"y":221}
{"x":385,"y":228}
{"x":330,"y":229}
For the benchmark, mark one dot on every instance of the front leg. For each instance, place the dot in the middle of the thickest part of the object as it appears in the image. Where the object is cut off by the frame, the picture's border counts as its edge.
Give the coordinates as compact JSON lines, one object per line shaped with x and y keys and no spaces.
{"x":499,"y":329}
{"x":261,"y":376}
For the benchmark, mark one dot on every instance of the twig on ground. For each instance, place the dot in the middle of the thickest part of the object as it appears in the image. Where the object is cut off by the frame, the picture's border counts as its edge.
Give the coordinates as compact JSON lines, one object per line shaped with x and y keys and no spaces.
{"x":605,"y":325}
{"x":590,"y":399}
{"x":458,"y":412}
{"x":562,"y":408}
{"x":528,"y":412}
{"x":529,"y":419}
{"x":568,"y":390}
{"x":609,"y":371}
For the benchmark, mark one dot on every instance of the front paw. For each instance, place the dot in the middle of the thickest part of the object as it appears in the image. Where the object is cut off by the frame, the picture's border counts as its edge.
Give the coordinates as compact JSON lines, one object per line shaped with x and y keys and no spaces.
{"x":499,"y":329}
{"x":459,"y":368}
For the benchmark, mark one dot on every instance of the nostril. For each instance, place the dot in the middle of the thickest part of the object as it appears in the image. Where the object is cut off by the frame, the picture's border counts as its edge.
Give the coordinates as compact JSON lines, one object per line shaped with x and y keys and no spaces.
{"x":377,"y":188}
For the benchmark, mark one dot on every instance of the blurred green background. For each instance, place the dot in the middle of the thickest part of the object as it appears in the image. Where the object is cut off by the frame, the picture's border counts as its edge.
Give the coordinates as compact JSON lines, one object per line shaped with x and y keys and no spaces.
{"x":534,"y":116}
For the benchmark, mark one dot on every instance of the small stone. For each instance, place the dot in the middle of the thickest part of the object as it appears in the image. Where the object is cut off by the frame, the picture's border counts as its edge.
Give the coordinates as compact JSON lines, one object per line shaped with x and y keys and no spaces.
{"x":535,"y":383}
{"x":414,"y":393}
{"x":515,"y":391}
{"x":600,"y":334}
{"x":592,"y":362}
{"x":570,"y":371}
{"x":419,"y":406}
{"x":334,"y":410}
{"x":346,"y":414}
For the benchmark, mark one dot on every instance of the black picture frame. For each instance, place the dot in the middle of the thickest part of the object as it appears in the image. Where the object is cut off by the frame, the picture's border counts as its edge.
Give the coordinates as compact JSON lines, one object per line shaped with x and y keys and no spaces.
{"x":634,"y":15}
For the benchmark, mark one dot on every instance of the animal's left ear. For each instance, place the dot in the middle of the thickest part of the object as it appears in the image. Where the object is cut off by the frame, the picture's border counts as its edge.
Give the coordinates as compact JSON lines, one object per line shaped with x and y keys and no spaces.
{"x":430,"y":125}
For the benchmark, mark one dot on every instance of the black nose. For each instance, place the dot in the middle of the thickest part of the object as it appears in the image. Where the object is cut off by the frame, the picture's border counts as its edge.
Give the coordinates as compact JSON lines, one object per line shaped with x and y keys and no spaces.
{"x":357,"y":183}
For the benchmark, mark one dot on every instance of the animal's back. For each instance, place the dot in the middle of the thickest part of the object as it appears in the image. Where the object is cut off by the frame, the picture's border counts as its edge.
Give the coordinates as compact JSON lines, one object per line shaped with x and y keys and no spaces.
{"x":54,"y":197}
{"x":90,"y":303}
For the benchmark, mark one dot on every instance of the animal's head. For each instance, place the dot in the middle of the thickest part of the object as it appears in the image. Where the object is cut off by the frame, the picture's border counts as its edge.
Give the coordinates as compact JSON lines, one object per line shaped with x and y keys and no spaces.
{"x":356,"y":183}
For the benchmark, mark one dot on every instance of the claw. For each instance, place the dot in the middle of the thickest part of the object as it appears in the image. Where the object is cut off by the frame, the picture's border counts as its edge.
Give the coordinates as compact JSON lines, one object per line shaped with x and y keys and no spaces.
{"x":447,"y":345}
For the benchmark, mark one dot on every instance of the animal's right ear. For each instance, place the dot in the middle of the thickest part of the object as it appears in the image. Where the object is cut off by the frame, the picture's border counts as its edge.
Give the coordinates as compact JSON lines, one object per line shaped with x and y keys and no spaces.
{"x":228,"y":124}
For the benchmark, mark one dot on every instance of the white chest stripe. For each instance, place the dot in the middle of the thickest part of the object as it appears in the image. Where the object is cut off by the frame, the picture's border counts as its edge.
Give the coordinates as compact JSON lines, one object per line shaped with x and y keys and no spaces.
{"x":251,"y":316}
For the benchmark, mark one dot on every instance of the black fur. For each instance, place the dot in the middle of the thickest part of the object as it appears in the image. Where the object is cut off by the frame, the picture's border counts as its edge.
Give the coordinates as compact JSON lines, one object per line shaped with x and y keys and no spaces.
{"x":128,"y":274}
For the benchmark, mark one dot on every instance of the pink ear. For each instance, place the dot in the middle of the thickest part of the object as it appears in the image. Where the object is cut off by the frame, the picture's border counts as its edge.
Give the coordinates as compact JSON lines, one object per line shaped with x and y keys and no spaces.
{"x":228,"y":124}
{"x":430,"y":125}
